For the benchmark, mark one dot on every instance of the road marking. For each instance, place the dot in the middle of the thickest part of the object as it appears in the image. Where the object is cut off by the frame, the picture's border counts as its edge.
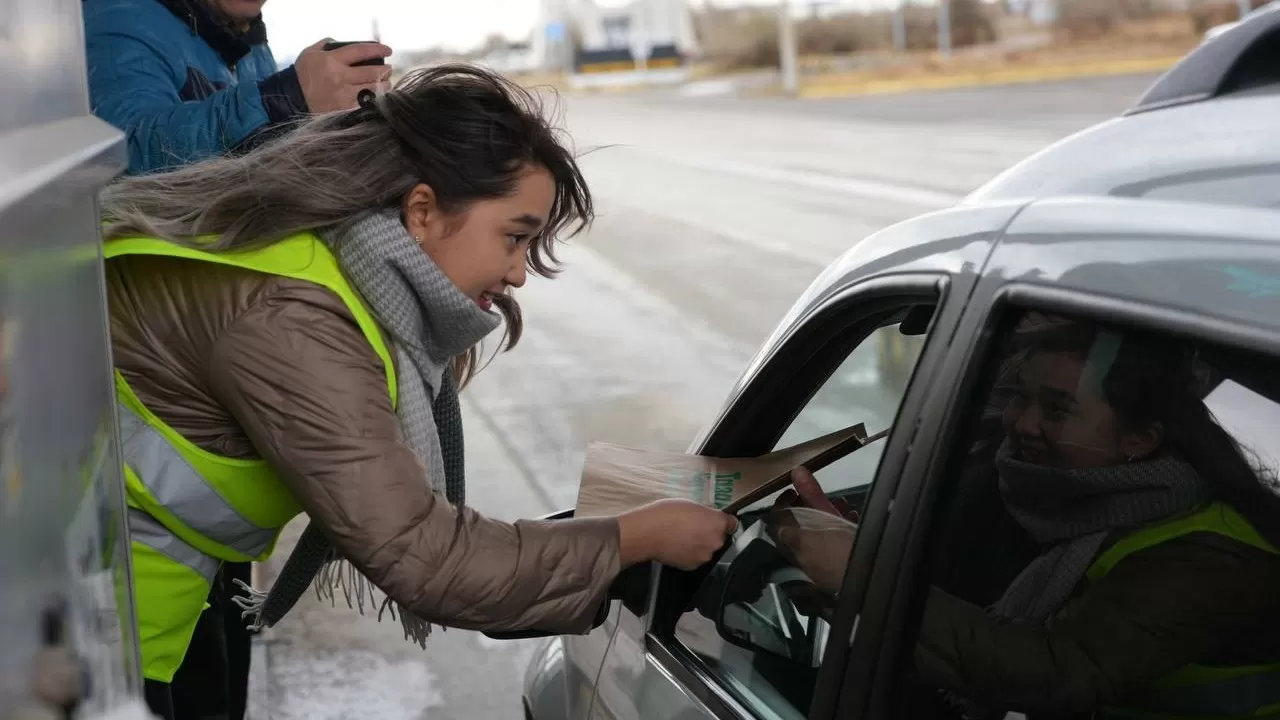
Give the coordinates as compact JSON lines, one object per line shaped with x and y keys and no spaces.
{"x":538,"y":435}
{"x":476,"y":408}
{"x":842,"y":184}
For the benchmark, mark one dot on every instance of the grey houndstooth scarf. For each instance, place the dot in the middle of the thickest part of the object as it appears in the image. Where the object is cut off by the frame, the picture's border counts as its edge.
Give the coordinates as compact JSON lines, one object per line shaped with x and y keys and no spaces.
{"x":1072,"y":513}
{"x":428,"y":321}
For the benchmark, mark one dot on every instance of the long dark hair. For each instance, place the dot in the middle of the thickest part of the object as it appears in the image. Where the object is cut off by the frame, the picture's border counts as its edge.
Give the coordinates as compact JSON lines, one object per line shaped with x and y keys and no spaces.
{"x":465,"y":131}
{"x":1160,"y":379}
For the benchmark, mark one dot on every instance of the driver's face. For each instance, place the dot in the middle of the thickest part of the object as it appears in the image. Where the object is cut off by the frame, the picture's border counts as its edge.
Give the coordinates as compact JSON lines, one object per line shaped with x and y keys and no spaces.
{"x":1053,"y":421}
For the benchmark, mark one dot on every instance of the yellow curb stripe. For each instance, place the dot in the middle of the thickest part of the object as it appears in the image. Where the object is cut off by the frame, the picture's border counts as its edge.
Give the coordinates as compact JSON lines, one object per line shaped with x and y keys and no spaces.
{"x":817,"y":89}
{"x":625,"y":66}
{"x":604,"y":67}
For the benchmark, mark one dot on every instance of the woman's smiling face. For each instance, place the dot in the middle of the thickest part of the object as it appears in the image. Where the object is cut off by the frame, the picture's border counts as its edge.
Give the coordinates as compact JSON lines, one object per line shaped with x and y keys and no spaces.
{"x":1053,"y":421}
{"x":484,"y":249}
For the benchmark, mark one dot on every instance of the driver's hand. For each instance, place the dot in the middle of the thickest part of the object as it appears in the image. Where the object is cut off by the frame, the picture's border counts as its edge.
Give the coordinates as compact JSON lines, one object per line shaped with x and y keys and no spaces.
{"x":808,"y":493}
{"x":816,"y":540}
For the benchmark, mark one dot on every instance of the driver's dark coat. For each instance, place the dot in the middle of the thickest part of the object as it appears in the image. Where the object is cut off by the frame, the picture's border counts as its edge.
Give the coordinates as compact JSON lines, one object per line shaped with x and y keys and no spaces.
{"x":1201,"y":598}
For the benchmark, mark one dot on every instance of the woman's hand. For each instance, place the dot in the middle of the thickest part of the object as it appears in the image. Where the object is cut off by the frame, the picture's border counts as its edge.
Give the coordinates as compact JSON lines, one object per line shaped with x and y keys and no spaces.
{"x":815,"y":534}
{"x":679,"y":533}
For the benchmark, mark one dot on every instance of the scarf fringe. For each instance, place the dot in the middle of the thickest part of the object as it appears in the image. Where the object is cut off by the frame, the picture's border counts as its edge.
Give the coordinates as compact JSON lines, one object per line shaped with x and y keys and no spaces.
{"x":250,"y":604}
{"x":356,"y":590}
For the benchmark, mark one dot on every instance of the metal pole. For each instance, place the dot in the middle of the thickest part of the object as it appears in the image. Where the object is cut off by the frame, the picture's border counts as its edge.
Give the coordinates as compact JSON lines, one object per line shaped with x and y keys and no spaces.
{"x":640,"y":37}
{"x":566,"y":48}
{"x":944,"y":28}
{"x":787,"y":62}
{"x":900,"y":27}
{"x":1245,"y":6}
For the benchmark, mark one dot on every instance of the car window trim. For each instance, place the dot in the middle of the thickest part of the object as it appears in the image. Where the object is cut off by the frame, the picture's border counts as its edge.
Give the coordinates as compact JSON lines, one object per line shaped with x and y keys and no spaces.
{"x":684,"y":669}
{"x":886,"y":291}
{"x":755,"y":400}
{"x":870,"y":672}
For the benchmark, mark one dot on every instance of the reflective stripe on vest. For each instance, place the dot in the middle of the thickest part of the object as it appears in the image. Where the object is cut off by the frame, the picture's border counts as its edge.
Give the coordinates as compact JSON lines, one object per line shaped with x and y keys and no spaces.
{"x":176,"y":485}
{"x":1253,"y":694}
{"x":1198,"y":691}
{"x":192,"y":506}
{"x":147,"y":530}
{"x":232,"y":509}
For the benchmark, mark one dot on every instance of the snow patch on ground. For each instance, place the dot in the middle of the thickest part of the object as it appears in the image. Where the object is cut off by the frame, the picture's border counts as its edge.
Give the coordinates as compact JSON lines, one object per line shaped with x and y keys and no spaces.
{"x":353,"y":684}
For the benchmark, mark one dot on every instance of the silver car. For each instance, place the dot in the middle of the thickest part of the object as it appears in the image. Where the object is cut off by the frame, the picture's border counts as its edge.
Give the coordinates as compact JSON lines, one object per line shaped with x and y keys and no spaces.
{"x":1165,"y":220}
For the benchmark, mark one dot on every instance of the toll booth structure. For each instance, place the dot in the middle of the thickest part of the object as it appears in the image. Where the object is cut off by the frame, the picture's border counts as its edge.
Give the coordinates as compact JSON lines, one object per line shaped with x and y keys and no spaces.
{"x":64,"y":561}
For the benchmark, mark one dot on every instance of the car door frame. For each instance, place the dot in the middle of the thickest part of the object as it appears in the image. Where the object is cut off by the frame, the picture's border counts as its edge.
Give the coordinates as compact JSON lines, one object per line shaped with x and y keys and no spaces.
{"x":752,"y":424}
{"x":869,"y":675}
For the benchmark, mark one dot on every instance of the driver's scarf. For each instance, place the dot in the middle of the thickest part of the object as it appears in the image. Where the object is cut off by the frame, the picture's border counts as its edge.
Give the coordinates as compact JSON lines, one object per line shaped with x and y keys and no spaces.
{"x":1072,"y":513}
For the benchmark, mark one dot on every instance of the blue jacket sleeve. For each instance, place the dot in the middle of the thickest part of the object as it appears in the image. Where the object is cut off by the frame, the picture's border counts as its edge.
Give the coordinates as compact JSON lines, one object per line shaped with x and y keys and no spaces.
{"x":135,"y":85}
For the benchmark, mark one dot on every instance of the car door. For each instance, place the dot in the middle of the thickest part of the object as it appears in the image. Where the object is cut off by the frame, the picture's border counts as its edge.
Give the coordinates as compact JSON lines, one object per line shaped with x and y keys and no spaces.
{"x":864,"y":355}
{"x":932,"y":260}
{"x":1193,"y":281}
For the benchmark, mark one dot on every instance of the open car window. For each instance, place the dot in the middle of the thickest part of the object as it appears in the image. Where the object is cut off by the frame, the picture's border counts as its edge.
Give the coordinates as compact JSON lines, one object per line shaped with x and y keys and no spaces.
{"x":1106,"y":534}
{"x":758,"y":623}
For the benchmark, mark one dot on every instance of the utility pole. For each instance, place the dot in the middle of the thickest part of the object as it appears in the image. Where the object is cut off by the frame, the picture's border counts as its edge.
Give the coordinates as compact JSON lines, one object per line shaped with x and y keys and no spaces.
{"x":944,"y":29}
{"x":640,"y":37}
{"x":900,"y":27}
{"x":787,"y":62}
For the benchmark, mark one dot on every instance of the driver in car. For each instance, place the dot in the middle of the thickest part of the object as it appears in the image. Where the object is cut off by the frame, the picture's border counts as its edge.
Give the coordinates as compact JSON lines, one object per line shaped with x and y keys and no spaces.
{"x":1154,"y":591}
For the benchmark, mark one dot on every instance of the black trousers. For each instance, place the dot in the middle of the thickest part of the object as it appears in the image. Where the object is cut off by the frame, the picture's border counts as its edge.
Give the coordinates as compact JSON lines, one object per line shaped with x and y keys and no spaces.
{"x":213,"y":681}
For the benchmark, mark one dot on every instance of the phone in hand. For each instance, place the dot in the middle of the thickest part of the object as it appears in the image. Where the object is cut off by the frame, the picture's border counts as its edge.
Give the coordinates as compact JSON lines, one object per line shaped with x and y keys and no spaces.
{"x":371,"y":61}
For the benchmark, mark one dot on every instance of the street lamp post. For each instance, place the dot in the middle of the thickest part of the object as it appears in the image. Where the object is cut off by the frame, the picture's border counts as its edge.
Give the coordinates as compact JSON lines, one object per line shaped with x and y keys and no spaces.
{"x":900,"y":27}
{"x":640,"y":38}
{"x":944,"y":28}
{"x":787,"y":62}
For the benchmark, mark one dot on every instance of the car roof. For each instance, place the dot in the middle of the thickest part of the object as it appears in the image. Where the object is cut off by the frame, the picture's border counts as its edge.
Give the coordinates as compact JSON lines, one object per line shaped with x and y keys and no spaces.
{"x":1211,"y":115}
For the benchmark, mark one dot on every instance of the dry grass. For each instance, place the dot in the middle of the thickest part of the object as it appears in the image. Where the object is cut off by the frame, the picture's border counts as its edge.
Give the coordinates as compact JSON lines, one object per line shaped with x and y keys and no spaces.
{"x":1162,"y":37}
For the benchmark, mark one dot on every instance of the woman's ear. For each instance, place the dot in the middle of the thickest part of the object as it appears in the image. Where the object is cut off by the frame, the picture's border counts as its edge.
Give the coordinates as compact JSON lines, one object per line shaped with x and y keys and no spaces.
{"x":1141,"y":444}
{"x":420,"y":212}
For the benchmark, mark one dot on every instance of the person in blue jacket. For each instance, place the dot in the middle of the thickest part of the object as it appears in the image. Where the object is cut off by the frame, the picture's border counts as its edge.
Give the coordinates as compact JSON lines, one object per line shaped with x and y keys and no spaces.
{"x":191,"y":79}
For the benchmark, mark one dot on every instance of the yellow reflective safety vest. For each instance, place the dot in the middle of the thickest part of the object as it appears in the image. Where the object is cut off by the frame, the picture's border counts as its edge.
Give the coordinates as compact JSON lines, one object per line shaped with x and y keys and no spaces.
{"x":1197,"y":691}
{"x":190,"y":510}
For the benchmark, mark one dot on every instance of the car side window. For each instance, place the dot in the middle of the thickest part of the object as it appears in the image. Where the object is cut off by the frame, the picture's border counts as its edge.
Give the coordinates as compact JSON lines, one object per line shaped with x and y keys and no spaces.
{"x":759,"y":623}
{"x":1105,"y":535}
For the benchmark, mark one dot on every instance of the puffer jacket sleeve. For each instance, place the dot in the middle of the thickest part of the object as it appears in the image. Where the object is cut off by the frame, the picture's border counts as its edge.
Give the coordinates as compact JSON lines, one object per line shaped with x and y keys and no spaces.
{"x":135,"y":83}
{"x":310,"y":393}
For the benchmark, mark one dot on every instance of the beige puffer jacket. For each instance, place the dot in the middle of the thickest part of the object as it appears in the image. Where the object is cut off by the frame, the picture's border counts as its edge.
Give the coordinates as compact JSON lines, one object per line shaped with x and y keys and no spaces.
{"x":247,"y":365}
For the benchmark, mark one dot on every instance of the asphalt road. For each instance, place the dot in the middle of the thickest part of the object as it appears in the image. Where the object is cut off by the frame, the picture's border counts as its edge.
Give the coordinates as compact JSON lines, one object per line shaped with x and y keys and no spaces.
{"x":714,"y":215}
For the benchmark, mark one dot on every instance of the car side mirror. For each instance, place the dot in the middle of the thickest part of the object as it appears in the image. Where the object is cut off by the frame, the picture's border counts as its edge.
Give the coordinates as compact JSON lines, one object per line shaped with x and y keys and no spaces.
{"x":760,"y":602}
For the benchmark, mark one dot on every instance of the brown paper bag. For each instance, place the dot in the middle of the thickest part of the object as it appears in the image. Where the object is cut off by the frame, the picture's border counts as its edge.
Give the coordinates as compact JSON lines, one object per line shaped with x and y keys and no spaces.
{"x":616,"y":479}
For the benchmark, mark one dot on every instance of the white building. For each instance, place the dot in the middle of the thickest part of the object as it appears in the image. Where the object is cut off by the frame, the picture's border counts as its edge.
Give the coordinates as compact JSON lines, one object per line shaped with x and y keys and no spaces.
{"x":640,"y":24}
{"x":638,"y":27}
{"x":513,"y":59}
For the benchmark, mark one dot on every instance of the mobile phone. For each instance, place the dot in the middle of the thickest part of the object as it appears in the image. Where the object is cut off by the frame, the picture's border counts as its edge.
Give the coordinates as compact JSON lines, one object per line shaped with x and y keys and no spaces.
{"x":371,"y":61}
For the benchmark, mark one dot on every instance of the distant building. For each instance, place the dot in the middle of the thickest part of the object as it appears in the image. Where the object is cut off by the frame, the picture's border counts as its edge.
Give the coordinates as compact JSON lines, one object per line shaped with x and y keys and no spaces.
{"x":1046,"y":12}
{"x":640,"y":23}
{"x":1040,"y":12}
{"x":581,"y":34}
{"x":512,"y":59}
